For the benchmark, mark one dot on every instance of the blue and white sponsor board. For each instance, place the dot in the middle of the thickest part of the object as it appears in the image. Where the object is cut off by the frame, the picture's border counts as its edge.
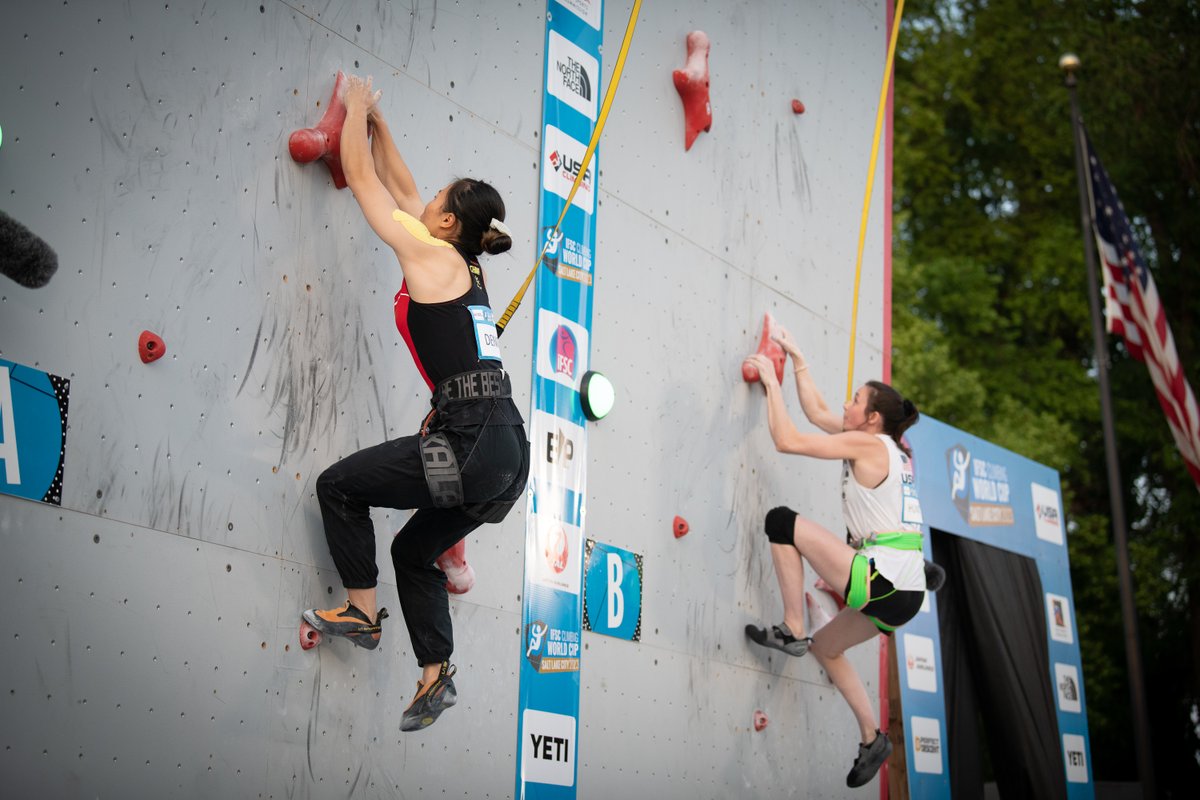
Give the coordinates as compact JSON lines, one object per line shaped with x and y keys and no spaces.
{"x":979,"y":491}
{"x":33,"y":432}
{"x":612,"y":594}
{"x":552,"y":601}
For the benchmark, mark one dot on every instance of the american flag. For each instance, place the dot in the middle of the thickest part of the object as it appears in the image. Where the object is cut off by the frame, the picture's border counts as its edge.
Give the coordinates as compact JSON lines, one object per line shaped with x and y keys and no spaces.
{"x":1133,"y":311}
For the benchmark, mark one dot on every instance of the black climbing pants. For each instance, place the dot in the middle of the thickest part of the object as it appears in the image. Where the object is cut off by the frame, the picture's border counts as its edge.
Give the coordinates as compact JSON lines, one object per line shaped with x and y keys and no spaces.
{"x":494,"y":462}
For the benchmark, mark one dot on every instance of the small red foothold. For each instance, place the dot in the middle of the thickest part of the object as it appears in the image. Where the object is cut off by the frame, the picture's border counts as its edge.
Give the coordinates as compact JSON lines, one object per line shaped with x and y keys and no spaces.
{"x":460,"y":576}
{"x":150,"y":347}
{"x":680,"y":527}
{"x":325,"y":140}
{"x":692,"y":84}
{"x":769,"y":348}
{"x":760,"y":720}
{"x":797,"y":107}
{"x":310,"y":637}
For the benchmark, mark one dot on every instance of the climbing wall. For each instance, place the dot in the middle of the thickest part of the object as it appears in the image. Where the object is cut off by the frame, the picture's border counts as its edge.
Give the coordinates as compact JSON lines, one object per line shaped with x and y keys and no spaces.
{"x":152,"y":645}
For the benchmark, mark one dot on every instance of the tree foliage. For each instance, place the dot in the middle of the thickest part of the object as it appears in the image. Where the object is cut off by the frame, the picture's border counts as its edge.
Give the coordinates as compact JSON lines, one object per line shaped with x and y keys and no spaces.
{"x":991,"y":321}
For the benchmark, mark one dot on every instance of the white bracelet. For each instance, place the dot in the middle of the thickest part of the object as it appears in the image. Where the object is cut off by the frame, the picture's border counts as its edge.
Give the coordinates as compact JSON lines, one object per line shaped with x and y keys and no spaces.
{"x":800,"y":369}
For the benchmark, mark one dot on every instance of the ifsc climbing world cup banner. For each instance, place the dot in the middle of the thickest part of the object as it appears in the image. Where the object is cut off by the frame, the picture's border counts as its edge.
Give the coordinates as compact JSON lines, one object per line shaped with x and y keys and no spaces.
{"x":552,"y":601}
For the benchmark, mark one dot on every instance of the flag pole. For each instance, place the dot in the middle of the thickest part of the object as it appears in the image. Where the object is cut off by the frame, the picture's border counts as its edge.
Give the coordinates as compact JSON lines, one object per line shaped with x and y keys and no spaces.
{"x":1069,"y":63}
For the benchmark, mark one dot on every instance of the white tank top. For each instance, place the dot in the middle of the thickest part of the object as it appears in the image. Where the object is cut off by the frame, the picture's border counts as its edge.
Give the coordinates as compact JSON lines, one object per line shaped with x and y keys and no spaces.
{"x":890,"y":507}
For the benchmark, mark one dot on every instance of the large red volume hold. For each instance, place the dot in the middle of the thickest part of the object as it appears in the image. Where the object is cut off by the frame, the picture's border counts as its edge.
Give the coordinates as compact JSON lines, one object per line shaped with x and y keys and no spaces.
{"x":692,"y":84}
{"x":769,"y":348}
{"x":325,"y":140}
{"x":460,"y":576}
{"x":151,"y":347}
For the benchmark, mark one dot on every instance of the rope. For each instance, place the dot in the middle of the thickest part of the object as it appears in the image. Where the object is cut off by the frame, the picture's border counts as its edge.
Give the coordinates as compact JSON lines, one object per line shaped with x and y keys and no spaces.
{"x":862,"y":230}
{"x":587,"y":157}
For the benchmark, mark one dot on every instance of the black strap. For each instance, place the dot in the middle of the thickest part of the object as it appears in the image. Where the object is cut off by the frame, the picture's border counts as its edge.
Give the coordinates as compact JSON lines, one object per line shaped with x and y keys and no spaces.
{"x":441,"y":471}
{"x":473,"y":386}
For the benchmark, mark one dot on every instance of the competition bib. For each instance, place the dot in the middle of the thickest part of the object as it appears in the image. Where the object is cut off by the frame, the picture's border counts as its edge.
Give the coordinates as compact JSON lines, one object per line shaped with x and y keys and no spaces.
{"x":910,"y":506}
{"x":486,"y":339}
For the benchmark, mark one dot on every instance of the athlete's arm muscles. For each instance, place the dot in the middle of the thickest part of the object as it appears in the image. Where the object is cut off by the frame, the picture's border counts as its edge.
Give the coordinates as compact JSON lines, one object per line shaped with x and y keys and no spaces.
{"x":405,"y":234}
{"x":390,"y":167}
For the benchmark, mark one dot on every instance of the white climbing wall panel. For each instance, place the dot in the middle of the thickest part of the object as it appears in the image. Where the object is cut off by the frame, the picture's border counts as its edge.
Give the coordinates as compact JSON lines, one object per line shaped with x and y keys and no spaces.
{"x":151,"y":649}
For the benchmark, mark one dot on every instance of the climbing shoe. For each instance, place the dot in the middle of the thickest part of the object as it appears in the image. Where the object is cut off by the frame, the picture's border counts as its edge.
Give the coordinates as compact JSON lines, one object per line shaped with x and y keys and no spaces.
{"x":430,"y":702}
{"x":348,"y":622}
{"x":780,"y":637}
{"x":870,"y":759}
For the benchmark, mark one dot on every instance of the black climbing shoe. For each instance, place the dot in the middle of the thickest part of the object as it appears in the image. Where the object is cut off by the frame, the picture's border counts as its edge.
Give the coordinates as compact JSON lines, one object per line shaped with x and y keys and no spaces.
{"x":870,"y":759}
{"x":779,"y":637}
{"x":427,"y":707}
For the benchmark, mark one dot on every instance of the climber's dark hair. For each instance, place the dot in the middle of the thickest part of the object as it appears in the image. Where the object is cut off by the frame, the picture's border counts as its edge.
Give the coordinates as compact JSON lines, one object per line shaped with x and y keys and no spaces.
{"x":475,"y":204}
{"x":898,"y":414}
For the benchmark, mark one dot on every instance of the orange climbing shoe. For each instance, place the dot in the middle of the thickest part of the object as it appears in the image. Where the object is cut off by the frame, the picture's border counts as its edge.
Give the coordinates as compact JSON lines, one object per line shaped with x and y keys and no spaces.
{"x":430,"y":702}
{"x":348,"y":622}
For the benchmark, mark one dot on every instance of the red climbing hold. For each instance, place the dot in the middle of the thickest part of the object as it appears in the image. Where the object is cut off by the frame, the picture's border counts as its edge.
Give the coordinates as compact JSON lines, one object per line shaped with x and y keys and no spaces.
{"x":797,"y":107}
{"x":692,"y":84}
{"x":150,"y":347}
{"x":325,"y":140}
{"x":310,"y":637}
{"x":769,"y":348}
{"x":760,"y":720}
{"x":829,"y":590}
{"x":680,"y":527}
{"x":460,"y":576}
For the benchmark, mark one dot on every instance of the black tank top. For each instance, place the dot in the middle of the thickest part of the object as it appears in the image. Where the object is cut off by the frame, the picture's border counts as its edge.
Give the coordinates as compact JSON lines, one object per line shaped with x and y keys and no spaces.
{"x":455,"y":336}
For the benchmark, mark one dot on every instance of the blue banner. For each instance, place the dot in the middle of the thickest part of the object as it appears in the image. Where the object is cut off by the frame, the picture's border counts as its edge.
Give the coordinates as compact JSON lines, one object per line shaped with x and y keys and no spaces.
{"x":33,"y":432}
{"x":552,"y":600}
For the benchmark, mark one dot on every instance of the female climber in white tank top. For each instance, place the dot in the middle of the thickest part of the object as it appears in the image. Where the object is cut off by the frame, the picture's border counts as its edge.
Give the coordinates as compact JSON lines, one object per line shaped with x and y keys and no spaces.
{"x":880,"y":564}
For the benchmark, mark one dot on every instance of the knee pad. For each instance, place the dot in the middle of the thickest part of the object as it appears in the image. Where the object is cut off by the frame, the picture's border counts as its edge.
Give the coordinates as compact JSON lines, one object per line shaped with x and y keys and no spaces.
{"x":780,"y":525}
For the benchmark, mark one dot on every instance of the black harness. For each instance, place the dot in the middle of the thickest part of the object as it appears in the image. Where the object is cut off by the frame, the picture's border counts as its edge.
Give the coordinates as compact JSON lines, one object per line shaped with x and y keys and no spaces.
{"x":442,"y":471}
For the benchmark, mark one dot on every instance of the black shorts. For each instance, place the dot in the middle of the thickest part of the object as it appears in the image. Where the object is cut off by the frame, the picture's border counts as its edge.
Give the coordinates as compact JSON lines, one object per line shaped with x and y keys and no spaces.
{"x":889,"y":607}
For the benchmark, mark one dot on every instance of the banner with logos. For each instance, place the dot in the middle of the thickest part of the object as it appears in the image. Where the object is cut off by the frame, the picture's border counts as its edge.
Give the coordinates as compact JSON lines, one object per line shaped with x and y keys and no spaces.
{"x":33,"y":432}
{"x":552,"y":600}
{"x":977,"y":490}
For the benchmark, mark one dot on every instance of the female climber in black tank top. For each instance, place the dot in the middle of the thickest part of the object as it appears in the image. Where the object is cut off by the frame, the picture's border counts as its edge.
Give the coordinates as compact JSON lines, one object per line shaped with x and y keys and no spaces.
{"x":469,"y":462}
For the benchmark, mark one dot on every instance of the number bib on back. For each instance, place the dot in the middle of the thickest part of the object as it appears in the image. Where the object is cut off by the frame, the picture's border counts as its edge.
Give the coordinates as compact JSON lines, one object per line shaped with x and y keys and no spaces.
{"x":486,"y":339}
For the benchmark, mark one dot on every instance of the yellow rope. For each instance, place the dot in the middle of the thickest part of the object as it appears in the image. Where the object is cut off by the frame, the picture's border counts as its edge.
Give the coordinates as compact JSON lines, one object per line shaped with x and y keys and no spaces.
{"x":862,"y":231}
{"x":587,"y":157}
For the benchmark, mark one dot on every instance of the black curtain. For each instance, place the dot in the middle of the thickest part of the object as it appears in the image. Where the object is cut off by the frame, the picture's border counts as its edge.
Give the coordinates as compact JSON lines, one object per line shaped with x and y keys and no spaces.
{"x":996,"y":671}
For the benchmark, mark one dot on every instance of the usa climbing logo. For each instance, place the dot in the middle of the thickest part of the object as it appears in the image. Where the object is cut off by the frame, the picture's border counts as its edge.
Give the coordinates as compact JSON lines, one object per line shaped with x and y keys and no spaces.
{"x":571,"y":75}
{"x":1047,"y":516}
{"x":563,"y":163}
{"x":562,"y":349}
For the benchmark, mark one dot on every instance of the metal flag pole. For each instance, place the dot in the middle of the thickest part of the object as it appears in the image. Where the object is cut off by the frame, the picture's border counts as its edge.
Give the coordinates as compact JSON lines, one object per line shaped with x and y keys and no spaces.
{"x":1069,"y":63}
